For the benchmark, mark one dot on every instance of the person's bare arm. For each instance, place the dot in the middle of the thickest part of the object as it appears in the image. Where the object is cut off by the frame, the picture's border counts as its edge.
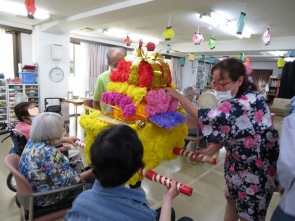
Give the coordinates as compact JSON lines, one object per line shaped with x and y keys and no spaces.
{"x":86,"y":174}
{"x":167,"y":202}
{"x":211,"y":150}
{"x":186,"y":103}
{"x":96,"y":105}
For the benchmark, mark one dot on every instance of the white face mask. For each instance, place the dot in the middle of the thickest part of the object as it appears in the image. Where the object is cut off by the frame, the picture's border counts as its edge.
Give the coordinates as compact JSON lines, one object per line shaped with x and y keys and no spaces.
{"x":225,"y":95}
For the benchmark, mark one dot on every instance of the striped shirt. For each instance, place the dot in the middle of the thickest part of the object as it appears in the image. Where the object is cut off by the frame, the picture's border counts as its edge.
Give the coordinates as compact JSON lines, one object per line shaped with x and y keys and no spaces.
{"x":118,"y":203}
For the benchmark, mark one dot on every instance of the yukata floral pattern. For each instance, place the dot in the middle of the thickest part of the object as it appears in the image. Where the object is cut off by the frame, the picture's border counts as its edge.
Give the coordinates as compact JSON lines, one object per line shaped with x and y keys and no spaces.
{"x":244,"y":126}
{"x":46,"y":168}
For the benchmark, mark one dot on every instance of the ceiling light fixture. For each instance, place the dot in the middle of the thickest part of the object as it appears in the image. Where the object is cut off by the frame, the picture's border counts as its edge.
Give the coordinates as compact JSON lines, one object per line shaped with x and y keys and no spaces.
{"x":224,"y":24}
{"x":20,"y":9}
{"x":278,"y":53}
{"x":119,"y":33}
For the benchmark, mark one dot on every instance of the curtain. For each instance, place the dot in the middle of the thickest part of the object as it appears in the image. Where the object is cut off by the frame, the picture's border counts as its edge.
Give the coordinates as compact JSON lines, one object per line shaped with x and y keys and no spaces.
{"x":98,"y":63}
{"x":260,"y":77}
{"x":176,"y":72}
{"x":287,"y":86}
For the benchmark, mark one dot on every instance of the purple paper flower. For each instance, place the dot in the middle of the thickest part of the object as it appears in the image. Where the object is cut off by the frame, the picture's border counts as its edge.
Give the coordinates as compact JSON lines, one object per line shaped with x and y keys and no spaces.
{"x":124,"y":101}
{"x":111,"y":98}
{"x":118,"y":98}
{"x":104,"y":97}
{"x":168,"y":120}
{"x":129,"y":110}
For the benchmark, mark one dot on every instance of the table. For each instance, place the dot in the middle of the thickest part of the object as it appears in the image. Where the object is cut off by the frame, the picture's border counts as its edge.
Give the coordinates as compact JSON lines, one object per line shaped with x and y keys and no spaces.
{"x":76,"y":102}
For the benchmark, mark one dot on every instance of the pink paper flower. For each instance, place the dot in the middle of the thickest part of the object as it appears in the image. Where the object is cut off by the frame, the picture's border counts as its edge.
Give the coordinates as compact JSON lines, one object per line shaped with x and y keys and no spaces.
{"x":129,"y":110}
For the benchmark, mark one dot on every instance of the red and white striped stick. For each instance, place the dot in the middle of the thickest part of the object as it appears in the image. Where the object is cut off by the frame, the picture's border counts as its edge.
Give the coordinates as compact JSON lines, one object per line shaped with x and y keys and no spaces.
{"x":152,"y":175}
{"x":79,"y":144}
{"x":194,"y":156}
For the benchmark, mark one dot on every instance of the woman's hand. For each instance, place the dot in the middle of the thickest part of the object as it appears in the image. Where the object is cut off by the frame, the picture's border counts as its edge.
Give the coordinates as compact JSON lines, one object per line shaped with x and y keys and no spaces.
{"x":174,"y":93}
{"x":172,"y":192}
{"x":70,"y":140}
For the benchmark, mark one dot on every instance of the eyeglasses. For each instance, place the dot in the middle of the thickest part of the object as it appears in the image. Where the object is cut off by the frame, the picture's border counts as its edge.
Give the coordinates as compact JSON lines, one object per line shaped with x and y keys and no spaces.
{"x":217,"y":84}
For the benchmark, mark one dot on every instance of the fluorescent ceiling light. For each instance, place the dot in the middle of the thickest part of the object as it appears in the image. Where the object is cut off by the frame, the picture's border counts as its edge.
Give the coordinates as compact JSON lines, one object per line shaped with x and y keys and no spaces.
{"x":290,"y":59}
{"x":20,"y":9}
{"x":119,"y":33}
{"x":278,"y":53}
{"x":225,"y":24}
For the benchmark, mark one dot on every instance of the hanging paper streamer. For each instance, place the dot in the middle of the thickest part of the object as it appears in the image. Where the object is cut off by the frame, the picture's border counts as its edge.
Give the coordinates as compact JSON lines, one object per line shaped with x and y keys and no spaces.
{"x":182,"y":61}
{"x":169,"y":32}
{"x":212,"y":60}
{"x":168,"y":48}
{"x":281,"y":62}
{"x":191,"y":57}
{"x":266,"y":37}
{"x":31,"y":8}
{"x":202,"y":58}
{"x":241,"y":23}
{"x":212,"y":43}
{"x":128,"y":41}
{"x":242,"y":57}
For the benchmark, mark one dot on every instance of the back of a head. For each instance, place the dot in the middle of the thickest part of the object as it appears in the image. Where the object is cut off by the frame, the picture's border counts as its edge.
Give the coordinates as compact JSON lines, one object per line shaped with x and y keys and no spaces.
{"x":21,"y":110}
{"x":116,"y":155}
{"x":115,"y":51}
{"x":187,"y":91}
{"x":46,"y":126}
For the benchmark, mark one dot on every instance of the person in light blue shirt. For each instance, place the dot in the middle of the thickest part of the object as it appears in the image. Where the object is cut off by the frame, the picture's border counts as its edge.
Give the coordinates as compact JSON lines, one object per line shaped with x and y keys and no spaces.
{"x":116,"y":155}
{"x":290,"y":107}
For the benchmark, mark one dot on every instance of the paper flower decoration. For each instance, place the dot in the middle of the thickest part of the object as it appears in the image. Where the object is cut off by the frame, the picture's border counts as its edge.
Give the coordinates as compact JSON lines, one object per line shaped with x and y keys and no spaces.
{"x":168,"y":48}
{"x":202,"y":58}
{"x":150,"y":46}
{"x":247,"y":60}
{"x":168,"y":33}
{"x":281,"y":62}
{"x":128,"y":41}
{"x":197,"y":38}
{"x":241,"y":23}
{"x":191,"y":57}
{"x":266,"y":37}
{"x":212,"y":43}
{"x":211,"y":60}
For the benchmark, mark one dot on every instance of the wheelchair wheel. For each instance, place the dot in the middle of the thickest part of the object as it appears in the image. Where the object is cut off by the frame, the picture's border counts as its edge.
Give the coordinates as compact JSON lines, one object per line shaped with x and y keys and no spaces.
{"x":10,"y":181}
{"x":17,"y":202}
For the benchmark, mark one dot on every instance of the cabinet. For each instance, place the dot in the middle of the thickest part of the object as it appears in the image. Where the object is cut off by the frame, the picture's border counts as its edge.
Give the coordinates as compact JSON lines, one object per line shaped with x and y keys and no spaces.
{"x":203,"y":76}
{"x":3,"y":101}
{"x":15,"y":91}
{"x":274,"y":86}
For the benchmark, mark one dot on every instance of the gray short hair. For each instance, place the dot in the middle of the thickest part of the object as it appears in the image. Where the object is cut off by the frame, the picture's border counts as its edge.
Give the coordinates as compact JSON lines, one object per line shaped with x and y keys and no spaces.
{"x":187,"y":91}
{"x":46,"y":126}
{"x":113,"y":49}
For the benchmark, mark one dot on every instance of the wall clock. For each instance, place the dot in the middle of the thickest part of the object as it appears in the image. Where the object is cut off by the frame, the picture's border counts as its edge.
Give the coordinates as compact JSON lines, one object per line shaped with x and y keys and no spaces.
{"x":56,"y":74}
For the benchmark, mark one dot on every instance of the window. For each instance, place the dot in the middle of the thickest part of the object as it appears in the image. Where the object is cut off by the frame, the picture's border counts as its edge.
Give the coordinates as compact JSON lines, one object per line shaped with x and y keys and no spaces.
{"x":6,"y":55}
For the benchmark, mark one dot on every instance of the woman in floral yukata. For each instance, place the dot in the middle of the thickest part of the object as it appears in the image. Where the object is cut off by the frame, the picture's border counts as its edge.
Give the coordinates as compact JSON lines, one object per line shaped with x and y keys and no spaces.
{"x":242,"y":123}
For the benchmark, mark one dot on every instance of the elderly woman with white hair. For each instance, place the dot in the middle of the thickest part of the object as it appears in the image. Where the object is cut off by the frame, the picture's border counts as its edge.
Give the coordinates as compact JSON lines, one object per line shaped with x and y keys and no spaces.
{"x":44,"y":166}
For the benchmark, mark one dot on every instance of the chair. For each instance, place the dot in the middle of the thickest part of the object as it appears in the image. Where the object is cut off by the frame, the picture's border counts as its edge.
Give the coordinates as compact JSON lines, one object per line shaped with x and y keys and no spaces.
{"x":88,"y":103}
{"x":26,"y":196}
{"x":191,"y":123}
